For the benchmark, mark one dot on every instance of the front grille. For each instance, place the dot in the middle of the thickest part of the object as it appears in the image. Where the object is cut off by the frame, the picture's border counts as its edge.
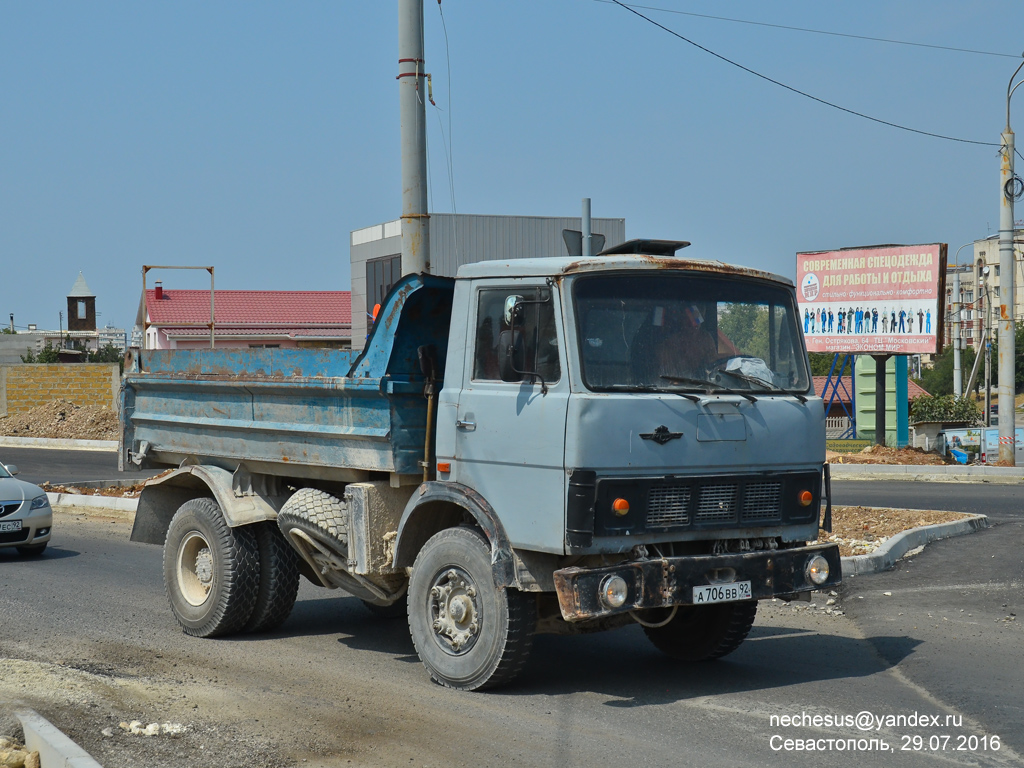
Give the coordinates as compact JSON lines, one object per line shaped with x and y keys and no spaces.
{"x":9,"y":507}
{"x":761,"y":501}
{"x":668,"y":505}
{"x":717,"y":504}
{"x":14,"y":538}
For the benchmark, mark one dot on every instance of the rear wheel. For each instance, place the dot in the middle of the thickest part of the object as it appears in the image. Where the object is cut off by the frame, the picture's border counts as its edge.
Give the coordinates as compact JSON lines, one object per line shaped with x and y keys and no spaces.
{"x":211,"y":571}
{"x":279,"y":579}
{"x":468,"y":633}
{"x":32,"y":550}
{"x":705,"y":632}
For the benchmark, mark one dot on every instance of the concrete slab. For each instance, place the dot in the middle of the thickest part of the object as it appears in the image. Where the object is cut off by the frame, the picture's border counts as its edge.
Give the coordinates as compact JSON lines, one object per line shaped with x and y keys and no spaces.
{"x":65,"y":445}
{"x":55,"y":749}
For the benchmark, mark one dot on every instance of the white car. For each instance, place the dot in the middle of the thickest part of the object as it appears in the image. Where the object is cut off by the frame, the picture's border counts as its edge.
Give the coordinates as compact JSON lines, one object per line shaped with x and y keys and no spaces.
{"x":25,"y":514}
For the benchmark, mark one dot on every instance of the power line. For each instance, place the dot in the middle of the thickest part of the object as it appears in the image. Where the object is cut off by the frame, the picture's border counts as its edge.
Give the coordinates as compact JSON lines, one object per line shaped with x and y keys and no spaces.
{"x":797,"y":90}
{"x":816,"y":31}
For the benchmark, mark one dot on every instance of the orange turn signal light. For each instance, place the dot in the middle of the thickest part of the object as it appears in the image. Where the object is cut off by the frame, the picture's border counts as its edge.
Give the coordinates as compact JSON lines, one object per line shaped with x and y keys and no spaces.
{"x":620,"y":507}
{"x":444,"y":466}
{"x":806,"y":497}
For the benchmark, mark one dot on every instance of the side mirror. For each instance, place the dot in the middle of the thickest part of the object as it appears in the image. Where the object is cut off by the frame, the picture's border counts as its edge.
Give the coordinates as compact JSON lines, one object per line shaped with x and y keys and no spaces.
{"x":11,"y":469}
{"x":513,"y":307}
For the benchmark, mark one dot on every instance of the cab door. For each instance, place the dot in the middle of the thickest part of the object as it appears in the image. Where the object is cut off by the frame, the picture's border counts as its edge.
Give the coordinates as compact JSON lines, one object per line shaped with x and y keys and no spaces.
{"x":510,"y":428}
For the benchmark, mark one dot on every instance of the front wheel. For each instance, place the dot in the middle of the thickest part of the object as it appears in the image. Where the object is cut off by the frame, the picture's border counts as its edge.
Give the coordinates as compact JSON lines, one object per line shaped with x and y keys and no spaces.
{"x":705,"y":632}
{"x":468,"y":633}
{"x":32,"y":550}
{"x":211,"y":571}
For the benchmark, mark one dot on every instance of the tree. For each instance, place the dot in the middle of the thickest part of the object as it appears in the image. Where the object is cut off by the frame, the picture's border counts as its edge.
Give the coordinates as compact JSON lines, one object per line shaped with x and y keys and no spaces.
{"x":108,"y":354}
{"x":821,"y":363}
{"x":5,"y":329}
{"x":48,"y":355}
{"x":938,"y":380}
{"x":746,"y":326}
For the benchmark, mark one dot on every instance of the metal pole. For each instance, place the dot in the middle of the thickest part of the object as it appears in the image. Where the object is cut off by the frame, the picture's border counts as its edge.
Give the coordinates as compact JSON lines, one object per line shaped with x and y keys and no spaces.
{"x":880,"y":361}
{"x":588,"y":238}
{"x":1007,"y":352}
{"x":958,"y":379}
{"x":412,"y":94}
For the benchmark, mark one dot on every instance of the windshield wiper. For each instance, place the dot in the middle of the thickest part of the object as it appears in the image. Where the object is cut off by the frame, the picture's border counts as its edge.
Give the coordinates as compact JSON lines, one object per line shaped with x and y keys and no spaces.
{"x":709,"y":386}
{"x":653,"y":390}
{"x":763,"y":384}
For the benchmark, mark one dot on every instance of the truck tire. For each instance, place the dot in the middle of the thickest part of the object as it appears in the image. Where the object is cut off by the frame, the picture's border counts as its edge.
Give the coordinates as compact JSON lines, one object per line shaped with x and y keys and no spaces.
{"x":279,"y":580}
{"x":211,"y":571}
{"x":468,"y":633}
{"x":704,"y":632}
{"x":319,"y":515}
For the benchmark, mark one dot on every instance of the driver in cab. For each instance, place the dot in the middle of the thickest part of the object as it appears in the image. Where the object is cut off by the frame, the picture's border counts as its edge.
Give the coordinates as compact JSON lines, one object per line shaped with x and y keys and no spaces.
{"x":686,"y":349}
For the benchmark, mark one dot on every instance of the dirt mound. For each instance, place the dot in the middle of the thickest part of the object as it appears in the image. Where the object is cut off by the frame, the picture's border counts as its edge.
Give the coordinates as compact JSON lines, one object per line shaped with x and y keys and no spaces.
{"x":860,"y":530}
{"x":883,"y":454}
{"x":63,"y":419}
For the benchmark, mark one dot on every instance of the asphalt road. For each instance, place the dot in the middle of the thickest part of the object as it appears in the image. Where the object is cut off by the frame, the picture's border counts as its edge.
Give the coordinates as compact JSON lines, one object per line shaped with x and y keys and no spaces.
{"x":60,"y":467}
{"x":960,"y":600}
{"x":87,"y":639}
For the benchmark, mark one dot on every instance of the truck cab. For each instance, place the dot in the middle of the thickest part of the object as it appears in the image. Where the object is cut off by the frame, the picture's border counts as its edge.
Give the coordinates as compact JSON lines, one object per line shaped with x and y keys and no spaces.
{"x":678,"y":387}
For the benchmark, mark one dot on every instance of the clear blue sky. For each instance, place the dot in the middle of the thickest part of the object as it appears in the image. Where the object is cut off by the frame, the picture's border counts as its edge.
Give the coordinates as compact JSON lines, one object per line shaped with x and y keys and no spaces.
{"x":255,"y":136}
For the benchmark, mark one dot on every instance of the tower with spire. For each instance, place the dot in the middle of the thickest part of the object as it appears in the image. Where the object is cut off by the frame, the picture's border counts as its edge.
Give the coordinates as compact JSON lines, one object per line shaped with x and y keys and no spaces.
{"x":81,"y":307}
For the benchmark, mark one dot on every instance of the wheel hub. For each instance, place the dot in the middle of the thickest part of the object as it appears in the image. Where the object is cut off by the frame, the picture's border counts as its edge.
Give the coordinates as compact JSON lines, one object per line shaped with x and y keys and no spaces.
{"x":195,"y":568}
{"x":454,"y":611}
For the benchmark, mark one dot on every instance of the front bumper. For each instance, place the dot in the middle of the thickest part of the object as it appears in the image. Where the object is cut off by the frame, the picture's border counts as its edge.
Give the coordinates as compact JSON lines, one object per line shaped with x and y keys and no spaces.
{"x":658,"y":583}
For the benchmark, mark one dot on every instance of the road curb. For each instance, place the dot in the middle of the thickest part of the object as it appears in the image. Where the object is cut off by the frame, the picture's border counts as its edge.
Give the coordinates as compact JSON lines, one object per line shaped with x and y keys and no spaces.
{"x":885,"y":557}
{"x":928,"y":473}
{"x":55,"y":749}
{"x":72,"y":502}
{"x":66,"y":445}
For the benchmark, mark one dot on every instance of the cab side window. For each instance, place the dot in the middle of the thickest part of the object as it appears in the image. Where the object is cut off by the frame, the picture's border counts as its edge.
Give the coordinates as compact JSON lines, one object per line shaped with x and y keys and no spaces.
{"x":523,"y":349}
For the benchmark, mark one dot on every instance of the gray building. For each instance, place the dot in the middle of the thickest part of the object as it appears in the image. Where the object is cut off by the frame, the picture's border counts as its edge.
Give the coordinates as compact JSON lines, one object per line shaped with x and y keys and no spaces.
{"x":14,"y":345}
{"x":456,"y":239}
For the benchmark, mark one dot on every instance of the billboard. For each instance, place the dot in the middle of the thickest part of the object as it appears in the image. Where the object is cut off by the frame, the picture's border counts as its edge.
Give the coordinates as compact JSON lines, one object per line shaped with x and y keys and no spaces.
{"x":876,"y":300}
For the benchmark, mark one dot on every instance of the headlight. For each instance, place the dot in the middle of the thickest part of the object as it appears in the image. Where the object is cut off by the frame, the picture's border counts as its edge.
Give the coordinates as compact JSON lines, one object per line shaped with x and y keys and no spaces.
{"x":40,"y":502}
{"x":613,"y":591}
{"x":816,"y":570}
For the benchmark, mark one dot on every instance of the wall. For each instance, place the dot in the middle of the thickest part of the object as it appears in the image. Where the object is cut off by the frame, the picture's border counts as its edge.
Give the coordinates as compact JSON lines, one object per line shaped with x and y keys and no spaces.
{"x":897,"y":425}
{"x":457,"y":239}
{"x":23,"y":387}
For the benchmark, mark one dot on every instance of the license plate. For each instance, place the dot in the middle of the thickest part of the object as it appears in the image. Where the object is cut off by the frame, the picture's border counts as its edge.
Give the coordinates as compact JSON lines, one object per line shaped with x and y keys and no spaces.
{"x":10,"y":526}
{"x":721,"y":593}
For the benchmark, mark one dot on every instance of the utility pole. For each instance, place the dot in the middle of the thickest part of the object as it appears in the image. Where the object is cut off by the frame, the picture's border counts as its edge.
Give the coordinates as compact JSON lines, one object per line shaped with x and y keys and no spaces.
{"x":588,"y":239}
{"x":412,"y":94}
{"x":958,"y":379}
{"x":1007,"y":306}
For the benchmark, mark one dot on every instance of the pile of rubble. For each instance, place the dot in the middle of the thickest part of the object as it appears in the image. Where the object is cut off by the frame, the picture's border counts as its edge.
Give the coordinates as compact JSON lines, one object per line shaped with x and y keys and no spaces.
{"x":62,"y":419}
{"x":883,"y":454}
{"x":14,"y":755}
{"x":861,"y":530}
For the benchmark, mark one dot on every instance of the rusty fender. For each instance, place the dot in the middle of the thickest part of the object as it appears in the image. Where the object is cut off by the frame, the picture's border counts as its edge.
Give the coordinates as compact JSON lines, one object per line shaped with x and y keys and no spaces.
{"x":657,"y":583}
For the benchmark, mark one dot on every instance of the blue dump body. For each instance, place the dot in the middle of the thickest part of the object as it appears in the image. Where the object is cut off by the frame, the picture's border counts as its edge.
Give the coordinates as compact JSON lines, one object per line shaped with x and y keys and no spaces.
{"x":294,"y":412}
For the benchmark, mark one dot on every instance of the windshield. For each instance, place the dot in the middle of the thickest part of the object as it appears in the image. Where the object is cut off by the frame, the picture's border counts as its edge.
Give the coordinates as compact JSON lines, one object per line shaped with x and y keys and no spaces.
{"x":3,"y":471}
{"x":684,"y":332}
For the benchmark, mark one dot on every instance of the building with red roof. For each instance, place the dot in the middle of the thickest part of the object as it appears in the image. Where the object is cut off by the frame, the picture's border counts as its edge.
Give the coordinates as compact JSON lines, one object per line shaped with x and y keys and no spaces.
{"x":181,"y":319}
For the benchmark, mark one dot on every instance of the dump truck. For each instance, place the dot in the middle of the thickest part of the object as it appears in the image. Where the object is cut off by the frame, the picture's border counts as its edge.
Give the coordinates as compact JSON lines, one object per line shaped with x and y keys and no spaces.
{"x":538,"y":445}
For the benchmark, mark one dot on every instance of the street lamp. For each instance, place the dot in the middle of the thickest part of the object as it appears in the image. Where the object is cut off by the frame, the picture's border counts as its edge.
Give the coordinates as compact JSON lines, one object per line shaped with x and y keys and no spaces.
{"x":1007,"y":351}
